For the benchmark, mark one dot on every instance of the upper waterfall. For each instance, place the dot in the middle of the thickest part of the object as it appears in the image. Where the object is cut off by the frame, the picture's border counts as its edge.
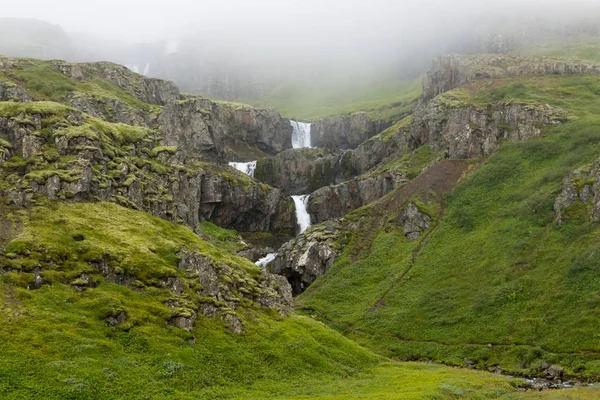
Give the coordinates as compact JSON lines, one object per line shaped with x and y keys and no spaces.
{"x":300,"y":134}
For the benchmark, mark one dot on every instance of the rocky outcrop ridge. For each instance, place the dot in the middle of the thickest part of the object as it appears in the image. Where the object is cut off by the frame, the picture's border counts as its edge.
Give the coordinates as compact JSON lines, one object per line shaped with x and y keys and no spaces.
{"x":345,"y":132}
{"x":64,"y":154}
{"x":148,"y":90}
{"x":451,"y":71}
{"x":468,"y":131}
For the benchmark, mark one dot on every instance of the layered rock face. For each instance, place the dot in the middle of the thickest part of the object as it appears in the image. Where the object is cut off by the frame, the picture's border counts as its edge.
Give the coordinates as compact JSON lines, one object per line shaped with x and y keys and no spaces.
{"x":93,"y":165}
{"x":451,"y":71}
{"x":216,"y":131}
{"x":336,"y":201}
{"x":299,"y":171}
{"x":468,"y":131}
{"x":345,"y":132}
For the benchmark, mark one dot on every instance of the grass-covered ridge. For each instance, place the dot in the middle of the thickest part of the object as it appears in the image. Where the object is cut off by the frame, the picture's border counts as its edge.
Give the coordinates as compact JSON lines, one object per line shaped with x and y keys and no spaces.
{"x":497,"y":281}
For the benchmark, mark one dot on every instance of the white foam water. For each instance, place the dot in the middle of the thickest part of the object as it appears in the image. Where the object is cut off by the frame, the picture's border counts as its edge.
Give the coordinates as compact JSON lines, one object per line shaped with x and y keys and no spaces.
{"x":302,"y":215}
{"x":146,"y":69}
{"x":263,"y":262}
{"x":246,"y":167}
{"x":300,"y":134}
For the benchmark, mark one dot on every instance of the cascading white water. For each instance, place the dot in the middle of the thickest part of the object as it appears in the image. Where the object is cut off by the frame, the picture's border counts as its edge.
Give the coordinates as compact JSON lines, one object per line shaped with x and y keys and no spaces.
{"x":146,"y":69}
{"x":263,"y":262}
{"x":300,"y":134}
{"x":246,"y":167}
{"x":302,"y":215}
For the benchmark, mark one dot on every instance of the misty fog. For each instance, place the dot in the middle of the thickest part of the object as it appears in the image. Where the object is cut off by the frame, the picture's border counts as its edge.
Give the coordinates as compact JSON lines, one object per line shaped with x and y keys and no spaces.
{"x":258,"y":43}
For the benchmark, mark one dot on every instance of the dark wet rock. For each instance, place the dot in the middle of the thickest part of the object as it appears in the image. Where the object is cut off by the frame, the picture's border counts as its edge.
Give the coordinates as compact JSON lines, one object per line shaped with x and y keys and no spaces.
{"x":468,"y":131}
{"x":117,"y":318}
{"x":345,"y":132}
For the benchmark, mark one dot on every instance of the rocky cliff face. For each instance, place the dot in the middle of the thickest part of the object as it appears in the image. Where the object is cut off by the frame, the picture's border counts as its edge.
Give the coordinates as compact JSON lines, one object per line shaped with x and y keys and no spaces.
{"x":310,"y":255}
{"x":345,"y":132}
{"x":336,"y":201}
{"x":220,"y":132}
{"x":468,"y":131}
{"x":299,"y":171}
{"x":451,"y":71}
{"x":58,"y":152}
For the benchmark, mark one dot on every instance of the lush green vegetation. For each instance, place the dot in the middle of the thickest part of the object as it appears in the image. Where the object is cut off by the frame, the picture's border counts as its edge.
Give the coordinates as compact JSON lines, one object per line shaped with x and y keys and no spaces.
{"x":388,"y":99}
{"x":62,"y":347}
{"x":496,"y":281}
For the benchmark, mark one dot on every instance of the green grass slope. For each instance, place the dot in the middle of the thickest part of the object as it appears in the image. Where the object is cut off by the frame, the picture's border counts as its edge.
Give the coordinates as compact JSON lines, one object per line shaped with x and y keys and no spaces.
{"x":496,"y":281}
{"x":386,"y":99}
{"x":57,"y":343}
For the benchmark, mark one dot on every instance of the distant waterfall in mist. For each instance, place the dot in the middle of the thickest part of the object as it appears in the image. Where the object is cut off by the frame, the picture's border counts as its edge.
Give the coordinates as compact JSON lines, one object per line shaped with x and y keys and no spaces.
{"x":300,"y":134}
{"x":246,"y":167}
{"x":302,"y":215}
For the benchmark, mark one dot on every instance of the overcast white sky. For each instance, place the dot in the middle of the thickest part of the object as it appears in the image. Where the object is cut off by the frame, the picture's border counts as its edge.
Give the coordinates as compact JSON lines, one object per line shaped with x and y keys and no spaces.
{"x":150,"y":19}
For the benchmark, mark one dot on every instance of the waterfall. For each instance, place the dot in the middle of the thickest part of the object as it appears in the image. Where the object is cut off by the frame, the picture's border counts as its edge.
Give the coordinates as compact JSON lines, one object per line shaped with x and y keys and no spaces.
{"x":302,"y":216}
{"x":263,"y":262}
{"x":146,"y":69}
{"x":300,"y":134}
{"x":246,"y":167}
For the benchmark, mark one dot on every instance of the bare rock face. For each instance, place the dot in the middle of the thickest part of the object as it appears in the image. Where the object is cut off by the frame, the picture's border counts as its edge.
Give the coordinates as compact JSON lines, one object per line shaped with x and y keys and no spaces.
{"x":212,"y":131}
{"x":582,"y":185}
{"x":299,"y":171}
{"x":415,"y":222}
{"x":451,"y":71}
{"x":345,"y":132}
{"x":468,"y":131}
{"x":12,"y":92}
{"x":336,"y":201}
{"x":308,"y":256}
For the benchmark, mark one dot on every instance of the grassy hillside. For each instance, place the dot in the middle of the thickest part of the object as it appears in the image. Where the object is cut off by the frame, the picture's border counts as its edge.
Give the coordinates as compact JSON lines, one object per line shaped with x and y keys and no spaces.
{"x":62,"y":347}
{"x":381,"y":98}
{"x":496,"y":280}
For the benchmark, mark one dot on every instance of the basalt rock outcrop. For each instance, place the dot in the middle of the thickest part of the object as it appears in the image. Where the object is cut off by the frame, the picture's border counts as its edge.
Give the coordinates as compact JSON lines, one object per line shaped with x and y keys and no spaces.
{"x":216,"y":132}
{"x":451,"y":71}
{"x":469,"y":131}
{"x":60,"y":153}
{"x":345,"y":132}
{"x":310,"y":255}
{"x":581,"y":187}
{"x":299,"y":171}
{"x":336,"y":201}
